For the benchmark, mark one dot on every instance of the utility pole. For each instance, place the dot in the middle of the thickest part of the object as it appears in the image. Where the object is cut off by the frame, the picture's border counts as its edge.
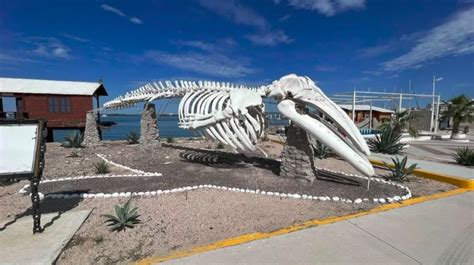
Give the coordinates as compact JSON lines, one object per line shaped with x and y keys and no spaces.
{"x":433,"y":124}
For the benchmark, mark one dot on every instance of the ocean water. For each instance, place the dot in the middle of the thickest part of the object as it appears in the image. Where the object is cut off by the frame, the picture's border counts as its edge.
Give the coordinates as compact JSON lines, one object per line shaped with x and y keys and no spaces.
{"x":168,"y":126}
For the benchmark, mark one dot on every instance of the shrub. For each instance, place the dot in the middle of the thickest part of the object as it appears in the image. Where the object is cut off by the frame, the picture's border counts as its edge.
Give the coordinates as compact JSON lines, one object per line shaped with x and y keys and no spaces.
{"x":464,"y":156}
{"x":133,"y":137}
{"x":220,"y":145}
{"x":466,"y":129}
{"x":169,"y":139}
{"x":321,"y":151}
{"x":400,"y":172}
{"x":73,"y":140}
{"x":101,"y":167}
{"x":388,"y":142}
{"x":124,"y":217}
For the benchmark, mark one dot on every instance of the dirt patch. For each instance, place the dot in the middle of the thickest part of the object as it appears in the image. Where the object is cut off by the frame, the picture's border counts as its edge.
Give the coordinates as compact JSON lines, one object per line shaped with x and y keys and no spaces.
{"x":181,"y":220}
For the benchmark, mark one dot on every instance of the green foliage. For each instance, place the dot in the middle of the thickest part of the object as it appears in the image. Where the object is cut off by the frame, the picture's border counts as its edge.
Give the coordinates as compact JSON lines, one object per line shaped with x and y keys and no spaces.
{"x":460,"y":109}
{"x":124,"y":217}
{"x":169,"y":139}
{"x":464,"y":156}
{"x":133,"y":137}
{"x":466,"y":129}
{"x":388,"y":142}
{"x":74,"y":154}
{"x":321,"y":151}
{"x":101,"y":167}
{"x":402,"y":121}
{"x":400,"y":171}
{"x":73,"y":141}
{"x":220,"y":145}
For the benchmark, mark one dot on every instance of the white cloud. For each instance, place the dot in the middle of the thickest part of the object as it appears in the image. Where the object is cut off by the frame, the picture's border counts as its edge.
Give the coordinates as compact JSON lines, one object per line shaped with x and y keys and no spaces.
{"x":377,"y":50}
{"x":49,"y":48}
{"x":284,"y":18}
{"x":269,"y":38}
{"x":454,"y":37}
{"x":238,"y":13}
{"x":76,"y":38}
{"x":119,"y":12}
{"x":328,"y":7}
{"x":136,"y":20}
{"x":243,"y":15}
{"x":219,"y":46}
{"x":114,"y":10}
{"x":14,"y":58}
{"x":212,"y":64}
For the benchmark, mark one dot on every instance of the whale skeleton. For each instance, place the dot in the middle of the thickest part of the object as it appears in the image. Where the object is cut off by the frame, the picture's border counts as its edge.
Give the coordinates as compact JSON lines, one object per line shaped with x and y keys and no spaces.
{"x":235,"y":115}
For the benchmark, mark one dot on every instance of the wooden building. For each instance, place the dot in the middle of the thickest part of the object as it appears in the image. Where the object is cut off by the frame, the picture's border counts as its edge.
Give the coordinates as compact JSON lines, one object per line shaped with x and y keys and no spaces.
{"x":363,"y":113}
{"x":63,"y":104}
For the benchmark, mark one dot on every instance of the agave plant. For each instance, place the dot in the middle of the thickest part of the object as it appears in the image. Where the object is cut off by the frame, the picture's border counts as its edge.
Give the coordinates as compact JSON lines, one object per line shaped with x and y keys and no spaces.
{"x":388,"y":142}
{"x":399,"y":172}
{"x":169,"y":139}
{"x":464,"y":156}
{"x":321,"y":151}
{"x":73,"y":140}
{"x":402,"y":121}
{"x":124,"y":217}
{"x":101,"y":167}
{"x":133,"y":137}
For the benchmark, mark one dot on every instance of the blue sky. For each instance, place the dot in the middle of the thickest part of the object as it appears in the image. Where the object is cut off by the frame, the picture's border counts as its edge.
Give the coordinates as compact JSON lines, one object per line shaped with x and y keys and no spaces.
{"x":370,"y":44}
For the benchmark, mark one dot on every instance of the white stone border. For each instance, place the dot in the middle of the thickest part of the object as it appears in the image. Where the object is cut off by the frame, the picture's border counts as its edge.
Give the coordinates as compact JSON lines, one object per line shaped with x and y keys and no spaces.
{"x":208,"y":186}
{"x":408,"y":195}
{"x":23,"y":190}
{"x":101,"y":156}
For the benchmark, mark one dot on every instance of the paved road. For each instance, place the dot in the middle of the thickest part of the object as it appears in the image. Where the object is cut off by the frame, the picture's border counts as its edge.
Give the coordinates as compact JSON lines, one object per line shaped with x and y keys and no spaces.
{"x":445,"y":168}
{"x":435,"y":232}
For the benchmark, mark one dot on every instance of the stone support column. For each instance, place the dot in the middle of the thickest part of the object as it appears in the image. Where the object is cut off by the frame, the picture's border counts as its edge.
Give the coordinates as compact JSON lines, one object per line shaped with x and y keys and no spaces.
{"x":297,"y":157}
{"x":91,"y":133}
{"x":149,"y":125}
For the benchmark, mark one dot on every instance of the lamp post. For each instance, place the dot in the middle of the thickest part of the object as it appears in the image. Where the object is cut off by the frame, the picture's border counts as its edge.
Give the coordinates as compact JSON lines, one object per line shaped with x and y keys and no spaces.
{"x":433,"y":125}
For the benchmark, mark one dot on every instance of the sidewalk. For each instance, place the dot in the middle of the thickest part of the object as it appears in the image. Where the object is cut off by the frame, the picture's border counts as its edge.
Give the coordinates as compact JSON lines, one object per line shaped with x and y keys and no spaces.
{"x":452,"y":170}
{"x":435,"y":232}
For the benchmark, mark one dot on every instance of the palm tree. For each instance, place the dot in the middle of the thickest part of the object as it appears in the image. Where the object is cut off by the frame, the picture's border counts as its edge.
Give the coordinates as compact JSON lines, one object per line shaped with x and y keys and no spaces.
{"x":401,"y":121}
{"x":460,"y":109}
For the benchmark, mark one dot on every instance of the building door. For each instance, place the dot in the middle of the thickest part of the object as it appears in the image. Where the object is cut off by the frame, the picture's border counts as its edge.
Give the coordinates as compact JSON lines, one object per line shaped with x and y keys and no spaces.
{"x":20,"y":108}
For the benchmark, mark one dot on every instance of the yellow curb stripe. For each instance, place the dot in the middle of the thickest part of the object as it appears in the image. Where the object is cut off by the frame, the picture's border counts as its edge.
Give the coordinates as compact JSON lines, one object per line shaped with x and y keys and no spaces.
{"x":312,"y":223}
{"x":456,"y":181}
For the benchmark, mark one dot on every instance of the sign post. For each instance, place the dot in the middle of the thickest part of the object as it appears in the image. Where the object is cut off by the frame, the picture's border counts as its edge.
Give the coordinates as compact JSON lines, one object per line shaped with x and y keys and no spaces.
{"x":22,"y":157}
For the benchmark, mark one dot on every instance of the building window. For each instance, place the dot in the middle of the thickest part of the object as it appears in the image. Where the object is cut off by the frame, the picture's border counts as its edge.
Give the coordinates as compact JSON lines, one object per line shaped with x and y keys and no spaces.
{"x":59,"y":104}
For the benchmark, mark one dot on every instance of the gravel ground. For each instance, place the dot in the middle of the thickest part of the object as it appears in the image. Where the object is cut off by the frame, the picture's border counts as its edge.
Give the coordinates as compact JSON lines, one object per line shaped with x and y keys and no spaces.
{"x":183,"y":220}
